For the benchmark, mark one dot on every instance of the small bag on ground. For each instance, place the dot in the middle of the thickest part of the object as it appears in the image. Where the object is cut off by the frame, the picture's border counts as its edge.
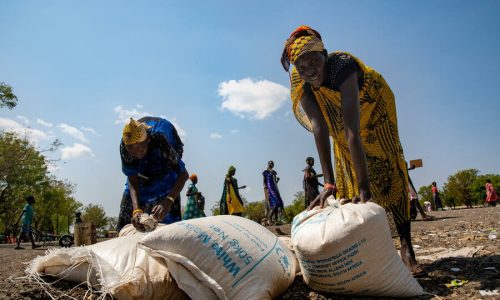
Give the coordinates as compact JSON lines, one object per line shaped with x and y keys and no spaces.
{"x":348,"y":249}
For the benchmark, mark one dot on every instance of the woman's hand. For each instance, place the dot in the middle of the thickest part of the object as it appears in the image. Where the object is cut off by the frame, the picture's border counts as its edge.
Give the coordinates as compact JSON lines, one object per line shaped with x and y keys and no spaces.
{"x":136,"y":222}
{"x":161,"y":209}
{"x":321,"y":198}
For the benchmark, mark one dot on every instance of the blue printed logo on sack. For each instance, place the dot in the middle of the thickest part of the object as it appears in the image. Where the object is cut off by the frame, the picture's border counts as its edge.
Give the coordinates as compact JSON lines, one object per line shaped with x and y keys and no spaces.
{"x":284,"y":261}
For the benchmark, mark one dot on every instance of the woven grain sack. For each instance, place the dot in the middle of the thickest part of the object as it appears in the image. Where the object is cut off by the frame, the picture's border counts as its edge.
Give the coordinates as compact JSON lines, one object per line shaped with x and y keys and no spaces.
{"x":223,"y":257}
{"x":116,"y":267}
{"x":348,"y":249}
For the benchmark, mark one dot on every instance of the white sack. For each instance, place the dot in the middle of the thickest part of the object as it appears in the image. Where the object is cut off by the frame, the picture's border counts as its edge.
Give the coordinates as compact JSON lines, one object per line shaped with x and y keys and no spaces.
{"x":117,"y":267}
{"x":348,"y":249}
{"x":224,"y":257}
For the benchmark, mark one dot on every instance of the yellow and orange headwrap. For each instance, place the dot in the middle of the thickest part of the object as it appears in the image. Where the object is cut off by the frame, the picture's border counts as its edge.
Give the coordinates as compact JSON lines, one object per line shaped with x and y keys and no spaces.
{"x":193,"y":177}
{"x":304,"y":39}
{"x":134,"y":132}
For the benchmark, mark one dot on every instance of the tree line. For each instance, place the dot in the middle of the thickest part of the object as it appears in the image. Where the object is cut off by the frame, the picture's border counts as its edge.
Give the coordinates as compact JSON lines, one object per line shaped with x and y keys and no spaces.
{"x":24,"y":170}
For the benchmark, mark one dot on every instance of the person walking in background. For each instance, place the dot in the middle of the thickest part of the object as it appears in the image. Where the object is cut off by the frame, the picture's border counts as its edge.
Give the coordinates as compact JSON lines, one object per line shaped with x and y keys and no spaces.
{"x":415,"y":204}
{"x":201,"y":203}
{"x":336,"y":95}
{"x":151,"y":155}
{"x":491,"y":194}
{"x":230,"y":201}
{"x":270,"y":182}
{"x":192,"y":207}
{"x":435,"y":197}
{"x":310,"y":182}
{"x":27,"y":219}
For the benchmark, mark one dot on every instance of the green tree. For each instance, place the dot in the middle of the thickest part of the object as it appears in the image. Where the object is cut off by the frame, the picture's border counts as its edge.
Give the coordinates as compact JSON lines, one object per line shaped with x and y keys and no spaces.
{"x":94,"y":213}
{"x":23,"y":171}
{"x":111,"y":223}
{"x":215,"y":209}
{"x":459,"y":186}
{"x":448,"y":198}
{"x":425,"y":194}
{"x":7,"y":97}
{"x":255,"y":211}
{"x":297,"y":206}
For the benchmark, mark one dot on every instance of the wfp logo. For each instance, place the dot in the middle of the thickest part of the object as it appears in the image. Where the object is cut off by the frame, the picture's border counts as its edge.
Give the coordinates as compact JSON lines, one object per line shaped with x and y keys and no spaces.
{"x":284,"y":261}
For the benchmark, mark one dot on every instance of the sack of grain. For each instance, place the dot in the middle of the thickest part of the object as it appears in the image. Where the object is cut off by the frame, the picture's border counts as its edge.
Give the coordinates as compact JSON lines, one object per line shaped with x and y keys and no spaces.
{"x":223,"y":257}
{"x":348,"y":249}
{"x":116,"y":267}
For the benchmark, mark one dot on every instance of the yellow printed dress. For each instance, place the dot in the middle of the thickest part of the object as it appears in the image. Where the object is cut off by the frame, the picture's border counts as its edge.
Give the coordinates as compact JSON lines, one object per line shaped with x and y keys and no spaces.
{"x":231,"y":202}
{"x":378,"y":131}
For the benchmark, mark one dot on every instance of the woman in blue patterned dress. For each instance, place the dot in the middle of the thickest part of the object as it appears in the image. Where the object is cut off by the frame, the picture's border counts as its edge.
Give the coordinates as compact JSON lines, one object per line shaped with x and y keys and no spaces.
{"x":151,"y":153}
{"x":271,"y":190}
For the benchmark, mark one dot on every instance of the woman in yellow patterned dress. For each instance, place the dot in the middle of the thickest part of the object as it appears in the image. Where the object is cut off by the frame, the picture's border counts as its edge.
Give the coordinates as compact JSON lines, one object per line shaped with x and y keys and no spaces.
{"x":337,"y":95}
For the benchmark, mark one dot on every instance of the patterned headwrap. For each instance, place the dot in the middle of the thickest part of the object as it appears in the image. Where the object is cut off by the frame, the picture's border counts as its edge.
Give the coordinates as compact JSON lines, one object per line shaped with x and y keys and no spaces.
{"x":193,"y":177}
{"x":134,"y":132}
{"x":230,"y":170}
{"x":304,"y":39}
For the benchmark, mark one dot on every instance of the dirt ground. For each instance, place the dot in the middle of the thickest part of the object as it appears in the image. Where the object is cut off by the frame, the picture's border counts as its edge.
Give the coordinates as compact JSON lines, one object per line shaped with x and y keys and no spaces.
{"x":452,"y":229}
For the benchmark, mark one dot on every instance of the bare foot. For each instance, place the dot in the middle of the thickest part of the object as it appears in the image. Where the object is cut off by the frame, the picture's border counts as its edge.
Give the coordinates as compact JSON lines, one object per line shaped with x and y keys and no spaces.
{"x":416,"y":270}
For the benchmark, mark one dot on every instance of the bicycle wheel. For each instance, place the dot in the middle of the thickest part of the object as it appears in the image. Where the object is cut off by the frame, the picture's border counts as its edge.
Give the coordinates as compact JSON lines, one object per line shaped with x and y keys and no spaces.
{"x":66,"y":241}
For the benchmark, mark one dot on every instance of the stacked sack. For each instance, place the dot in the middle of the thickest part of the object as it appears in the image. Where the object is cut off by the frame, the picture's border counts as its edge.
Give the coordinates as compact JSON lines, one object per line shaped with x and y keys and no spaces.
{"x":348,"y":249}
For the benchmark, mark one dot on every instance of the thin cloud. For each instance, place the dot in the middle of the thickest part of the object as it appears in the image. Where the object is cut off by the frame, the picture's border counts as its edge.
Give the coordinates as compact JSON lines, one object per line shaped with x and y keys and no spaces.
{"x":25,"y":120}
{"x":235,"y":131}
{"x":52,"y":168}
{"x":74,"y":132}
{"x":215,"y":135}
{"x":76,"y":151}
{"x":182,"y":133}
{"x":255,"y":99}
{"x":42,"y":122}
{"x":88,"y":129}
{"x":124,"y":116}
{"x":34,"y":135}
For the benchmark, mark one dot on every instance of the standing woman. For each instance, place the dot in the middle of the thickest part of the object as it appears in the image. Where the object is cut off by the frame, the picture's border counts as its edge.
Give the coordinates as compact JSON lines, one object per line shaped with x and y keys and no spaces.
{"x":270,"y":181}
{"x":435,"y":196}
{"x":336,"y":95}
{"x":310,"y":182}
{"x":230,"y":201}
{"x":192,"y":207}
{"x":491,"y":194}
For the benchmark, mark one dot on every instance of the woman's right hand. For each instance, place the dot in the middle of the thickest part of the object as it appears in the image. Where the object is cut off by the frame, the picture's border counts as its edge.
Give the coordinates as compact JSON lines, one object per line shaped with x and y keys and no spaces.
{"x":136,"y":222}
{"x":321,"y":198}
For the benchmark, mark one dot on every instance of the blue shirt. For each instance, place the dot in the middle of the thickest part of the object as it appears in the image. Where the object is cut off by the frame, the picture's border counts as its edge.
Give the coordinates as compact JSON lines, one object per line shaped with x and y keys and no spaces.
{"x":28,"y":214}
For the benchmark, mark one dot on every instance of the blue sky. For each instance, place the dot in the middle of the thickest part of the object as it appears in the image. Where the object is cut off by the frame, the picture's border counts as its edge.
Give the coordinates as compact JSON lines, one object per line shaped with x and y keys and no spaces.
{"x":79,"y":68}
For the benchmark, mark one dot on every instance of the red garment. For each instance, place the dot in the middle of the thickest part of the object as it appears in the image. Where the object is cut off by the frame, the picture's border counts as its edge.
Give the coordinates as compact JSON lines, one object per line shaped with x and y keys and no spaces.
{"x":491,"y":194}
{"x":434,"y":190}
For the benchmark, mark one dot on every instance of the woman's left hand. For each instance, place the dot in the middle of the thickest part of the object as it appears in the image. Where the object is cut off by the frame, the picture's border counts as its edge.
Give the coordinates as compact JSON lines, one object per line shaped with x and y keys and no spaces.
{"x":161,"y":209}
